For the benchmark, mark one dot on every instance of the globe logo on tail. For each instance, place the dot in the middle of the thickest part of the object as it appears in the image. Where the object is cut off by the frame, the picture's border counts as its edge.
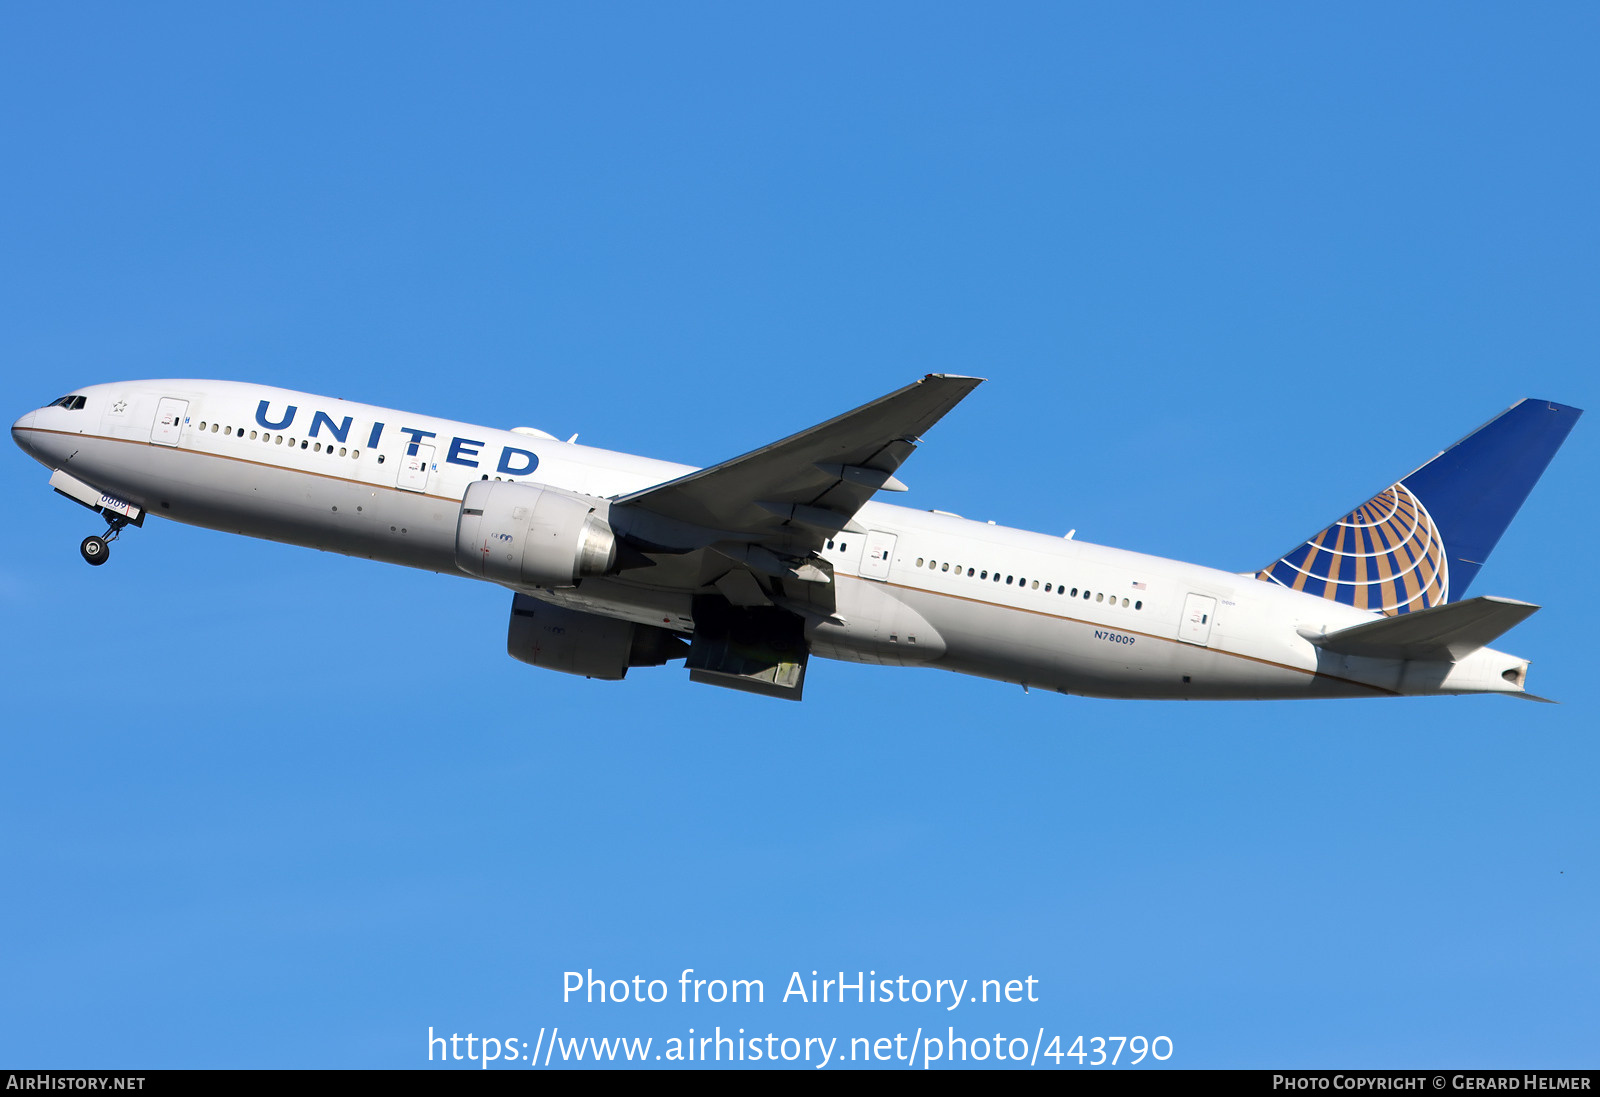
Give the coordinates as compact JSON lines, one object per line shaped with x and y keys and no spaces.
{"x":1386,"y":555}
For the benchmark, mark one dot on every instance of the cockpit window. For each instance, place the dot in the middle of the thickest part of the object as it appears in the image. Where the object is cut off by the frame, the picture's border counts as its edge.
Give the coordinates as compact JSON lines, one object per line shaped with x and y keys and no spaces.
{"x":71,"y":403}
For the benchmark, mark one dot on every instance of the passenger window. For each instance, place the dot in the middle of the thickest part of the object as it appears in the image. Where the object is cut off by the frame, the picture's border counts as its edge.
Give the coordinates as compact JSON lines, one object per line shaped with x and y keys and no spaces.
{"x":1124,"y":603}
{"x":1036,"y":584}
{"x":1099,"y":597}
{"x":945,"y":568}
{"x":1138,"y":605}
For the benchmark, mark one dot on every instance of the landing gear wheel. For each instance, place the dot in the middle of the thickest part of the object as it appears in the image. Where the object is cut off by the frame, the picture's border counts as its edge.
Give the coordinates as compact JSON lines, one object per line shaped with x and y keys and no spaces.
{"x":95,"y":550}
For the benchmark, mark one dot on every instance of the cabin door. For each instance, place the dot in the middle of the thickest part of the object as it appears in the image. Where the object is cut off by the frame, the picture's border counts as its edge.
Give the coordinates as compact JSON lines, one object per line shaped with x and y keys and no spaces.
{"x":877,"y":554}
{"x":414,"y":469}
{"x":1195,"y":625}
{"x":169,"y":421}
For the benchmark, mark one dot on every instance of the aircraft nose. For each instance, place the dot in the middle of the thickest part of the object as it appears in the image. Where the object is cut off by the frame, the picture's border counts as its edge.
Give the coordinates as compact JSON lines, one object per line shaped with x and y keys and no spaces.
{"x":19,"y":432}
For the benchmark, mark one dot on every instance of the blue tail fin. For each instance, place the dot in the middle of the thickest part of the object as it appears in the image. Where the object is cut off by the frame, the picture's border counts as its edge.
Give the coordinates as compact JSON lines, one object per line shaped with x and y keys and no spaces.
{"x":1419,"y":543}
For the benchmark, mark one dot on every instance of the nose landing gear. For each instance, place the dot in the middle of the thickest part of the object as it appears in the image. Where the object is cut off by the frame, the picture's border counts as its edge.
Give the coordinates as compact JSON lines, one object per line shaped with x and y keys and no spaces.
{"x":97,"y":550}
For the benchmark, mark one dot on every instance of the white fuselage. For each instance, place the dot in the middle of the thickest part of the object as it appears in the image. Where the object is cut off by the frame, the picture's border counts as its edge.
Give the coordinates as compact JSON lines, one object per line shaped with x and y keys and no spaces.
{"x":946,"y":592}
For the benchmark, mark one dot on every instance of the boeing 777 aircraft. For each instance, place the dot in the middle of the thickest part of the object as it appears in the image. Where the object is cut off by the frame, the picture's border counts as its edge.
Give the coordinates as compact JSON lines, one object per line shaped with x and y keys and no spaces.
{"x":747,"y":568}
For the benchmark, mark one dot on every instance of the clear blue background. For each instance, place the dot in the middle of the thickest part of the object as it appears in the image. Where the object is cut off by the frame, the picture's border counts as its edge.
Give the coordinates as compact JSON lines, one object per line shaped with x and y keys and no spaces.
{"x":1230,"y":270}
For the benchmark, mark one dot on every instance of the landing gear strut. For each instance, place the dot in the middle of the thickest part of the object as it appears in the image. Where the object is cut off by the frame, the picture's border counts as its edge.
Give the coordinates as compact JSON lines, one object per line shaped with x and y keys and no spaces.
{"x":97,"y":550}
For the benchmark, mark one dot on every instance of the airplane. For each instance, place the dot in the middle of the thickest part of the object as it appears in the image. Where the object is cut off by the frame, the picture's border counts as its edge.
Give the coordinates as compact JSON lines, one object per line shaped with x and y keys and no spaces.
{"x":748,"y":568}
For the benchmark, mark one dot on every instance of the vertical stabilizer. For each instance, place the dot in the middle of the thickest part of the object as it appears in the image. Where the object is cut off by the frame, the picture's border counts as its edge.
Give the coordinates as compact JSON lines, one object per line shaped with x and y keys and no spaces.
{"x":1420,"y":542}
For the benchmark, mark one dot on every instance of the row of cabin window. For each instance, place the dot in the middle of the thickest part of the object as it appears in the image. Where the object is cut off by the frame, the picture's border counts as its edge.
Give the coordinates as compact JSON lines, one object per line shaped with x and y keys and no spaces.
{"x":277,"y":440}
{"x":1060,"y":590}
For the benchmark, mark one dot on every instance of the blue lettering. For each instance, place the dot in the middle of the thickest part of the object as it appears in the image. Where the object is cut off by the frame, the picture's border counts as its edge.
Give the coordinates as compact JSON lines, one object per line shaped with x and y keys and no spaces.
{"x":530,"y":462}
{"x":416,"y":438}
{"x":459,"y":452}
{"x":341,"y":432}
{"x":372,"y":439}
{"x":261,"y":416}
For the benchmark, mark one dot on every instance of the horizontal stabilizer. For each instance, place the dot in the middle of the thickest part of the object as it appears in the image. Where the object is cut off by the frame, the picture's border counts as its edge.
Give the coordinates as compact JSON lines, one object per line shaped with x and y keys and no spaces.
{"x":1445,"y":633}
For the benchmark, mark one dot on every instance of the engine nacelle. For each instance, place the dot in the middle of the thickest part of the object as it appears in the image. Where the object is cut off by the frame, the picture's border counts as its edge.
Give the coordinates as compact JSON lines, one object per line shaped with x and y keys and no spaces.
{"x":532,"y":536}
{"x":574,"y":642}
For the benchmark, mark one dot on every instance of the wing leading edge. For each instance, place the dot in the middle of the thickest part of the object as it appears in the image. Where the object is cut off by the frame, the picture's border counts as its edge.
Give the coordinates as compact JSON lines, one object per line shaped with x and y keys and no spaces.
{"x":799,"y":491}
{"x":815,"y":480}
{"x":745,"y":536}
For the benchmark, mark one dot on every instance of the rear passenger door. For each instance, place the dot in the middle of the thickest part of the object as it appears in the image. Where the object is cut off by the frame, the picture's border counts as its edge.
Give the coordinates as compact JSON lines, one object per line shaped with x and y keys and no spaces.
{"x":1194,"y":627}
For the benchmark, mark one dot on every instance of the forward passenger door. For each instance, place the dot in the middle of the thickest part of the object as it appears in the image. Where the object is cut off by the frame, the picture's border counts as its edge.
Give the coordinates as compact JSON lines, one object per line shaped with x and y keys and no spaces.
{"x":168,"y":422}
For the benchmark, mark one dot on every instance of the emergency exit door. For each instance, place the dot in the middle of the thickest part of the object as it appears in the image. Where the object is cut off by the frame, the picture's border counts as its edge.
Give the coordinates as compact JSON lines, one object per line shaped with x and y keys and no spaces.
{"x":877,"y":555}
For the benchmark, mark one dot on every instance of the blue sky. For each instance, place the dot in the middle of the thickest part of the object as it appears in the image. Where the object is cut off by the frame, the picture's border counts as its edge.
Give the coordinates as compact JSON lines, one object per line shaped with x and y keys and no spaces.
{"x":1229,"y":269}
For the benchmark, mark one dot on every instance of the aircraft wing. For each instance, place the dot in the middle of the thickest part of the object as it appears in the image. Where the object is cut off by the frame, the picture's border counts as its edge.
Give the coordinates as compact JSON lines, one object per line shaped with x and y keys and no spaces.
{"x":794,"y":494}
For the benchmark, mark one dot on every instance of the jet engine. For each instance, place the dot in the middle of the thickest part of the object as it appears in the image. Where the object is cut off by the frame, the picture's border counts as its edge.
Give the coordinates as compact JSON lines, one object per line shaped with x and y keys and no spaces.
{"x":531,"y":535}
{"x":574,"y":642}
